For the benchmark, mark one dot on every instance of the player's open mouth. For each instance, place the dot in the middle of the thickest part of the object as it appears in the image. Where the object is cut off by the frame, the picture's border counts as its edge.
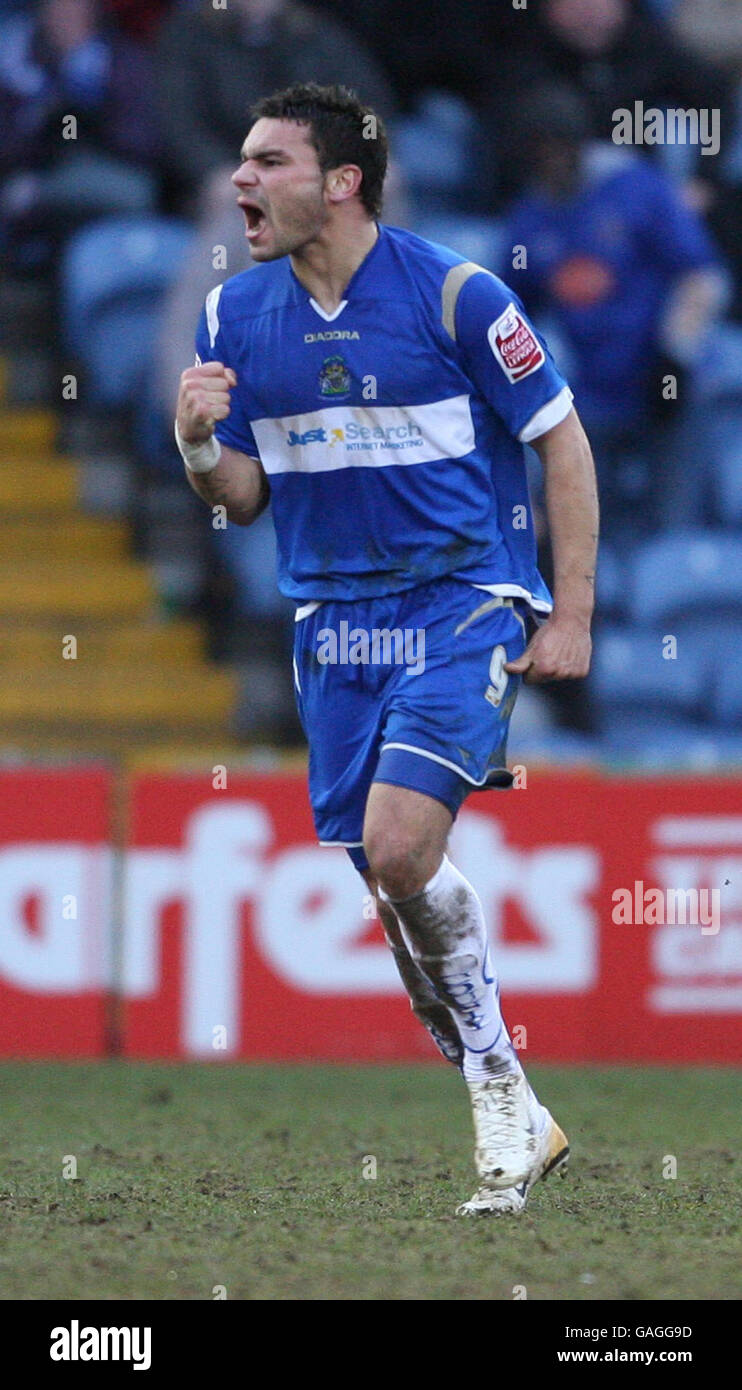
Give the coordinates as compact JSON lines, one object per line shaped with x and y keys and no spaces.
{"x":255,"y":218}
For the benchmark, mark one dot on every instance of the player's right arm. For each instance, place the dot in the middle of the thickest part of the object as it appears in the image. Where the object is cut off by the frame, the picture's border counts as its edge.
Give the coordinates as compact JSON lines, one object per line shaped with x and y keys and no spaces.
{"x":237,"y":481}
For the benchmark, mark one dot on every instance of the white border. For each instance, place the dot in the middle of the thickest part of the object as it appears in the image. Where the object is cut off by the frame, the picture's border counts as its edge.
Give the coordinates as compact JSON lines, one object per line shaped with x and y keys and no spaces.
{"x":307,"y":608}
{"x":212,"y":312}
{"x":328,"y":318}
{"x":344,"y":844}
{"x":423,"y":753}
{"x":514,"y":591}
{"x":551,"y":414}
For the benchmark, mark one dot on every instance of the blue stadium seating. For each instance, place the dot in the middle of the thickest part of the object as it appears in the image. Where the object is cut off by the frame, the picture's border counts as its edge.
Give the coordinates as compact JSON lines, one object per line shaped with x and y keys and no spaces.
{"x":114,"y":274}
{"x":670,"y":742}
{"x":727,"y":693}
{"x":555,"y":746}
{"x":629,"y":670}
{"x":711,"y":643}
{"x":433,"y":147}
{"x":723,"y":440}
{"x":685,"y":571}
{"x":477,"y":238}
{"x":719,"y":373}
{"x":611,"y":581}
{"x":662,"y":8}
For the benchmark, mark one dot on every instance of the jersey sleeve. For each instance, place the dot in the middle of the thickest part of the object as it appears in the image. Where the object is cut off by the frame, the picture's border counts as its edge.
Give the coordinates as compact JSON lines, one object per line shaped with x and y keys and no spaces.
{"x":507,"y":360}
{"x":211,"y":346}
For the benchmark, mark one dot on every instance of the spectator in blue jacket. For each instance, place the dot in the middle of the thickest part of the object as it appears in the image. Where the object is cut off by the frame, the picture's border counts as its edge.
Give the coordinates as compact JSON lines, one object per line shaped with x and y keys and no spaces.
{"x":606,"y":249}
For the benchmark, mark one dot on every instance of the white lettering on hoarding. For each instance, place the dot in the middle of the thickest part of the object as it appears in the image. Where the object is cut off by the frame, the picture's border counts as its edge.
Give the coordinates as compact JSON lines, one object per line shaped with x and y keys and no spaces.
{"x":306,"y":910}
{"x":698,"y":972}
{"x":48,"y":952}
{"x":552,"y":885}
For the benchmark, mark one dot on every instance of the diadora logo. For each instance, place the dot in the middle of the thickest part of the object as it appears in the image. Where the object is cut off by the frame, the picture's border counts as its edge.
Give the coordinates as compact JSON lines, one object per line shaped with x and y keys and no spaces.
{"x":336,"y":335}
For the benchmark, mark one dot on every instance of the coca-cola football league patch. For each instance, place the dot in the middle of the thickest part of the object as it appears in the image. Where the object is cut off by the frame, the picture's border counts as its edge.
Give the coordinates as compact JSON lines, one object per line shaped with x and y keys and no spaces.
{"x":515,"y":345}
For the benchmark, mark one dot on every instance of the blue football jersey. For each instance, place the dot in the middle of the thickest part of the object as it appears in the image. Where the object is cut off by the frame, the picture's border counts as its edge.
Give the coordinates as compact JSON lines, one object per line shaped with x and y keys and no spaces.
{"x":391,"y":431}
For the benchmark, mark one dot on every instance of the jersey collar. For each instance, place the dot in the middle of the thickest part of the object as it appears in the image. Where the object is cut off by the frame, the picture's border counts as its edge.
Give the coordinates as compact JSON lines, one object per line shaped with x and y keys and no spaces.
{"x":351,"y":285}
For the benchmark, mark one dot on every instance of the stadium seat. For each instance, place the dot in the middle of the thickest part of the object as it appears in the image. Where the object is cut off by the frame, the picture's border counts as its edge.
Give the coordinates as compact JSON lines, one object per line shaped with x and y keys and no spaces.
{"x":662,"y":8}
{"x":610,"y":581}
{"x":29,"y":488}
{"x":685,"y":571}
{"x":532,"y":715}
{"x":114,"y":274}
{"x":724,"y":444}
{"x":657,"y":743}
{"x":432,"y":146}
{"x":727,"y":692}
{"x":719,"y":373}
{"x":75,"y":589}
{"x":711,"y":644}
{"x":629,"y":669}
{"x":554,"y":746}
{"x":477,"y":238}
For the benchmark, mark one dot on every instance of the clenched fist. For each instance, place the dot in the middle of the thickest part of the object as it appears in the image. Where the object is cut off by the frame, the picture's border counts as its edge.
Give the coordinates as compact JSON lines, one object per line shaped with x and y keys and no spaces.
{"x":203,"y":399}
{"x":559,"y":650}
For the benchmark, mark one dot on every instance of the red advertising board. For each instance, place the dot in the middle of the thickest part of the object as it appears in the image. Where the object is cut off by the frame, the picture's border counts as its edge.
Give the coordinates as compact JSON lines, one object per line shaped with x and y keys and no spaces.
{"x":54,"y":911}
{"x":248,"y":939}
{"x":239,"y":937}
{"x":244,"y":938}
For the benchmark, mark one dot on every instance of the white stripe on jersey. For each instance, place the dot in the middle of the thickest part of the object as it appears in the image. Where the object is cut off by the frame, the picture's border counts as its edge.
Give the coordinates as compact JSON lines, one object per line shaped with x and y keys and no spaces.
{"x":212,"y":316}
{"x":366,"y":437}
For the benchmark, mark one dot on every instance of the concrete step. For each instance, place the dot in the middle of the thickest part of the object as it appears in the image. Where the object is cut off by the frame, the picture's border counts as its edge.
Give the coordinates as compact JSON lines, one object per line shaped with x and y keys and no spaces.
{"x":175,"y":644}
{"x":30,"y":488}
{"x":138,"y":746}
{"x":74,"y":538}
{"x":116,"y":696}
{"x":28,"y":431}
{"x":72,"y":590}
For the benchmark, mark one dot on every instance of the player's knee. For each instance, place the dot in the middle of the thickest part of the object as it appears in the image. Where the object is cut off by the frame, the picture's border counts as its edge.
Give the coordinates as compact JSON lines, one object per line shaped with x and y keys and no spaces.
{"x":399,"y":863}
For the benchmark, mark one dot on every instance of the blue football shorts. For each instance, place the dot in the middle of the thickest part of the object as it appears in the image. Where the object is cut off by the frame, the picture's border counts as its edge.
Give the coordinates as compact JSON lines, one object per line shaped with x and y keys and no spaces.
{"x":408,"y":689}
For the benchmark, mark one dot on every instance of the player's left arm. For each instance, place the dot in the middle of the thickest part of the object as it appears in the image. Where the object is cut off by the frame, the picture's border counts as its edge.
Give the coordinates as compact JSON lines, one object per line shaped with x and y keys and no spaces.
{"x":561,"y":647}
{"x":515,"y":374}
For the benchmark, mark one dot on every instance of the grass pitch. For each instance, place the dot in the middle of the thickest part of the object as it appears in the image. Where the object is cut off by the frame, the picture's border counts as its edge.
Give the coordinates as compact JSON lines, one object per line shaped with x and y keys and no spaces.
{"x":252,"y":1177}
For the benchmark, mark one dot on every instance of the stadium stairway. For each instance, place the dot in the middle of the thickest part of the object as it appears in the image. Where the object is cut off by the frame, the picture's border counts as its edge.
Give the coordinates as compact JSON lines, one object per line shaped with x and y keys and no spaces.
{"x":91,"y":664}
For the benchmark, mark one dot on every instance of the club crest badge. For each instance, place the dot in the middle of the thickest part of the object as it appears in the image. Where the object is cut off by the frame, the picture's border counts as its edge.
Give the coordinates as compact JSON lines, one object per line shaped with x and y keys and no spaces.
{"x":334,"y":378}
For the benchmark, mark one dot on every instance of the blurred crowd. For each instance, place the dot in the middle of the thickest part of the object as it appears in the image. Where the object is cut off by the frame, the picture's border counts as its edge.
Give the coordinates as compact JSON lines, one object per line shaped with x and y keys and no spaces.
{"x":122,"y":120}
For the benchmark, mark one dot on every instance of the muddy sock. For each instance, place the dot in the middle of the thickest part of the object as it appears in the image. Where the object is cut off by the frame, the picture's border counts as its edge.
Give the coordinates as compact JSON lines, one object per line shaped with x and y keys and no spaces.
{"x":444,"y":930}
{"x":427,"y":1007}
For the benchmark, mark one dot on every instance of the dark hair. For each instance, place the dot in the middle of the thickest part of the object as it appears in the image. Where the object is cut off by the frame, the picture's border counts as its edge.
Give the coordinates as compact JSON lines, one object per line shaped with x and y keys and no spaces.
{"x":342,"y":130}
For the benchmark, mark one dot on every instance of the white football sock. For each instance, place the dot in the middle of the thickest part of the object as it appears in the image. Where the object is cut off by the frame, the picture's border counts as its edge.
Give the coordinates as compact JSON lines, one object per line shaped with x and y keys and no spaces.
{"x":427,"y":1007}
{"x":444,"y":928}
{"x":424,"y":1001}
